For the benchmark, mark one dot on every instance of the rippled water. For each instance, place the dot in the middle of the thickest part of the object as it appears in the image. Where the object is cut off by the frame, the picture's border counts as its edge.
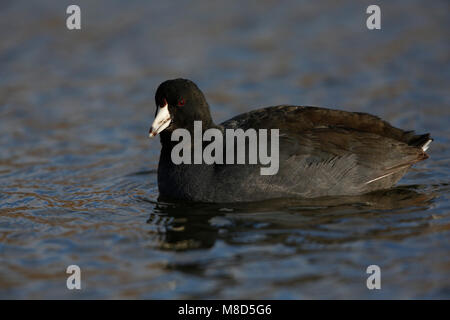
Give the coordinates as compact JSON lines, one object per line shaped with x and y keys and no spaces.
{"x":77,"y":171}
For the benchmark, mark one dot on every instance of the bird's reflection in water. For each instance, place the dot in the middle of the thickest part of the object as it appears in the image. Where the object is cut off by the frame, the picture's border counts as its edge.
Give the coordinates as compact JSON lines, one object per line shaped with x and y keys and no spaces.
{"x":185,"y":226}
{"x":188,"y":226}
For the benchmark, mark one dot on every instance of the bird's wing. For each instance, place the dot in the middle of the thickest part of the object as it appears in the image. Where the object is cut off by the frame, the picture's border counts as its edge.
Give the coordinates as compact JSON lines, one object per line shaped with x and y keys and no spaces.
{"x":330,"y":151}
{"x":297,"y":119}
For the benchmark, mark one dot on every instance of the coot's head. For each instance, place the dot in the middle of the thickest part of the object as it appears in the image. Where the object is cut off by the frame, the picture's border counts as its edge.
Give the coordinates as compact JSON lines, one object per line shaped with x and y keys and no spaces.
{"x":179,"y":103}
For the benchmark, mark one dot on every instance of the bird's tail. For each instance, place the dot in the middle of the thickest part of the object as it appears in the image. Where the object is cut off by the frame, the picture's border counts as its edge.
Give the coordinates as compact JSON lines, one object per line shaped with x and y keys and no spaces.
{"x":421,"y":141}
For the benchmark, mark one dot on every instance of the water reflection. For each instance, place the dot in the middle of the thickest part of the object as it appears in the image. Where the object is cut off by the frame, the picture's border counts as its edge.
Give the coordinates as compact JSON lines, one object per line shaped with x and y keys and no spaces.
{"x":78,"y":173}
{"x":189,"y":226}
{"x":186,"y":225}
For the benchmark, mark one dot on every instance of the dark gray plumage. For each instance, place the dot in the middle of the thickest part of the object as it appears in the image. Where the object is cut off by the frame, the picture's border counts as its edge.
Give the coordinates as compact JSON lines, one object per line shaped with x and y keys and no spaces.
{"x":322,"y":152}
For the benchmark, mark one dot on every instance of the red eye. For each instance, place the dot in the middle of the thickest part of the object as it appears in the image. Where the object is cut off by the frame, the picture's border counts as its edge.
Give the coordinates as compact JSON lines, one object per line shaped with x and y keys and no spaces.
{"x":181,"y":102}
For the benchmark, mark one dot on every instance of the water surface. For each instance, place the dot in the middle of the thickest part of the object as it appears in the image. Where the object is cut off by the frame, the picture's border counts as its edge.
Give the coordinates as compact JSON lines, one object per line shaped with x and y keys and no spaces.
{"x":78,"y":173}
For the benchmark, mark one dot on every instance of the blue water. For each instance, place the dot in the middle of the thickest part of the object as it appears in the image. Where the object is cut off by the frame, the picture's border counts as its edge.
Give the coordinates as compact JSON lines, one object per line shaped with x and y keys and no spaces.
{"x":78,"y":173}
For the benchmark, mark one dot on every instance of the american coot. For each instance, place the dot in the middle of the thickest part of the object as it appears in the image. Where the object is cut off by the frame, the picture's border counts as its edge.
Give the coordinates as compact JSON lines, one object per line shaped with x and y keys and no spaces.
{"x":322,"y":152}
